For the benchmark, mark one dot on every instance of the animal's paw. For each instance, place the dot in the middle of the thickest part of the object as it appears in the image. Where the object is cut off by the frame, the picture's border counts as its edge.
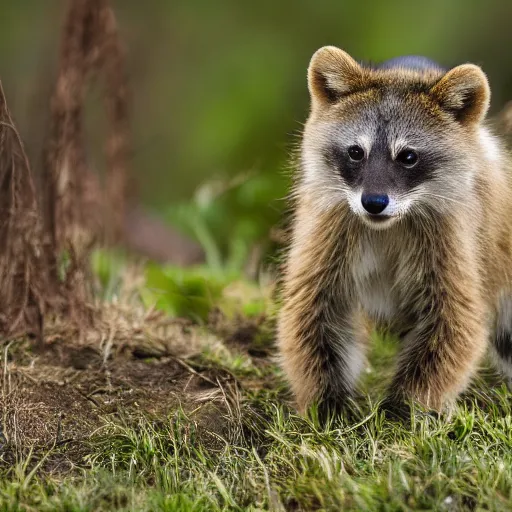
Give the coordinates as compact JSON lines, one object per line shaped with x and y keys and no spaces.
{"x":396,"y":409}
{"x":329,"y":410}
{"x":403,"y":411}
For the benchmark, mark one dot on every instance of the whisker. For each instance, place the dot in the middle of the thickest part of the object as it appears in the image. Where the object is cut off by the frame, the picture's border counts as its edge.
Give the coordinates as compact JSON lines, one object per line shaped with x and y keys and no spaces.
{"x":444,"y":198}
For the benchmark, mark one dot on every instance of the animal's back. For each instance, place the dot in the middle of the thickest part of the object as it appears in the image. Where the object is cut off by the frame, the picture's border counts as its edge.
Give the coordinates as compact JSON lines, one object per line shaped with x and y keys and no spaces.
{"x":413,"y":62}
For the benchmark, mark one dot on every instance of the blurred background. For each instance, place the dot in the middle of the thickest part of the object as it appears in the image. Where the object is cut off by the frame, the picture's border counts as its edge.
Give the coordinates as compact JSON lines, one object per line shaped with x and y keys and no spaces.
{"x":219,"y":90}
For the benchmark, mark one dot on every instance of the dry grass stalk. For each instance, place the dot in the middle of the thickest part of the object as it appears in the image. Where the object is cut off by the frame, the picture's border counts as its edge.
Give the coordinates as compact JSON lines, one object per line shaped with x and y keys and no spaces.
{"x":24,"y":280}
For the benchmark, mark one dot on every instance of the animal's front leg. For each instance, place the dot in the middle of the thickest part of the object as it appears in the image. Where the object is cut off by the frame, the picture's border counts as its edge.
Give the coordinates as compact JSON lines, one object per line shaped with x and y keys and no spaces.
{"x":322,"y":351}
{"x":442,"y":350}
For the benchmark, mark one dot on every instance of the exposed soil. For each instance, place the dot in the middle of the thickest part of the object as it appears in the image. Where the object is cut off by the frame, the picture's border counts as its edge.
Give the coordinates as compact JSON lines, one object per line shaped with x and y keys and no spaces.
{"x":55,"y":397}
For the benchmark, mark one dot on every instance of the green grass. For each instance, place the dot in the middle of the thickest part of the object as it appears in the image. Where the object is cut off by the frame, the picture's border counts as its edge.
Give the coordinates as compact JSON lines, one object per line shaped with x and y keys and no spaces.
{"x":270,"y":459}
{"x":248,"y":450}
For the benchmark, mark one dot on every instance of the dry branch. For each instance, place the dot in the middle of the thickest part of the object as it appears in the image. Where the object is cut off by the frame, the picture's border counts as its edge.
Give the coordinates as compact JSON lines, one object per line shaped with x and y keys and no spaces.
{"x":24,"y":284}
{"x":78,"y":212}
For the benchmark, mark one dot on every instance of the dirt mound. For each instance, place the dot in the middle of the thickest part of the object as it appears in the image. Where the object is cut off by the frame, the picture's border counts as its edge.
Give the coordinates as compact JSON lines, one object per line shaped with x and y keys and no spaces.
{"x":54,"y":398}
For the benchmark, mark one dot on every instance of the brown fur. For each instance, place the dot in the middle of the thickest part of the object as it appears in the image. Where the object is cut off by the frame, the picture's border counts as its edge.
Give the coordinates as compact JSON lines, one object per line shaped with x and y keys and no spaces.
{"x":443,"y":267}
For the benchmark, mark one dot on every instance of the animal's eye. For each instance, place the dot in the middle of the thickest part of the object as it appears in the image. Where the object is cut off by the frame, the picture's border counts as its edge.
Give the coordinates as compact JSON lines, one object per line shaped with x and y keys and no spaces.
{"x":356,"y":153}
{"x":407,"y":157}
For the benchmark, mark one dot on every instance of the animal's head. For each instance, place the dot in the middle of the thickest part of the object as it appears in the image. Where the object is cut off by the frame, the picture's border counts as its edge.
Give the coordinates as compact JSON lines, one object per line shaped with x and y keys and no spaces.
{"x":396,"y":140}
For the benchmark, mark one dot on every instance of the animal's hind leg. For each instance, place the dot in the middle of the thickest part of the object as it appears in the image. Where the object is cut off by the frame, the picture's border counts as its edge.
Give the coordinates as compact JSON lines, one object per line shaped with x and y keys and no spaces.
{"x":502,"y":342}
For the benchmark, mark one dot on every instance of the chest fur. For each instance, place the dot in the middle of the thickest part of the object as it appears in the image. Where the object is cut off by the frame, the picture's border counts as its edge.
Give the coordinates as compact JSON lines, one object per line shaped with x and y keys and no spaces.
{"x":373,"y":276}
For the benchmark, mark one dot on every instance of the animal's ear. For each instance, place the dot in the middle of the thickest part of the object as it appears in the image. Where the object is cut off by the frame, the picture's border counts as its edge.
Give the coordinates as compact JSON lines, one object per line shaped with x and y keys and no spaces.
{"x":332,"y":74}
{"x":464,"y":92}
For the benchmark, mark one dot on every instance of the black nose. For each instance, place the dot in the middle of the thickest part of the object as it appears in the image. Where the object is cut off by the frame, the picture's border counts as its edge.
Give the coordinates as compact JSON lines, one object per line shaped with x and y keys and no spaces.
{"x":374,"y":203}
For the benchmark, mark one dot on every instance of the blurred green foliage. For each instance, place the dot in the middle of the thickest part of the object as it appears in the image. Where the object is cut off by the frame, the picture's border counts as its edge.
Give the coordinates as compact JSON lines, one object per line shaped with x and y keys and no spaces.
{"x":107,"y":267}
{"x":190,"y":292}
{"x":182,"y":292}
{"x":219,"y":88}
{"x":195,"y":292}
{"x":228,"y":218}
